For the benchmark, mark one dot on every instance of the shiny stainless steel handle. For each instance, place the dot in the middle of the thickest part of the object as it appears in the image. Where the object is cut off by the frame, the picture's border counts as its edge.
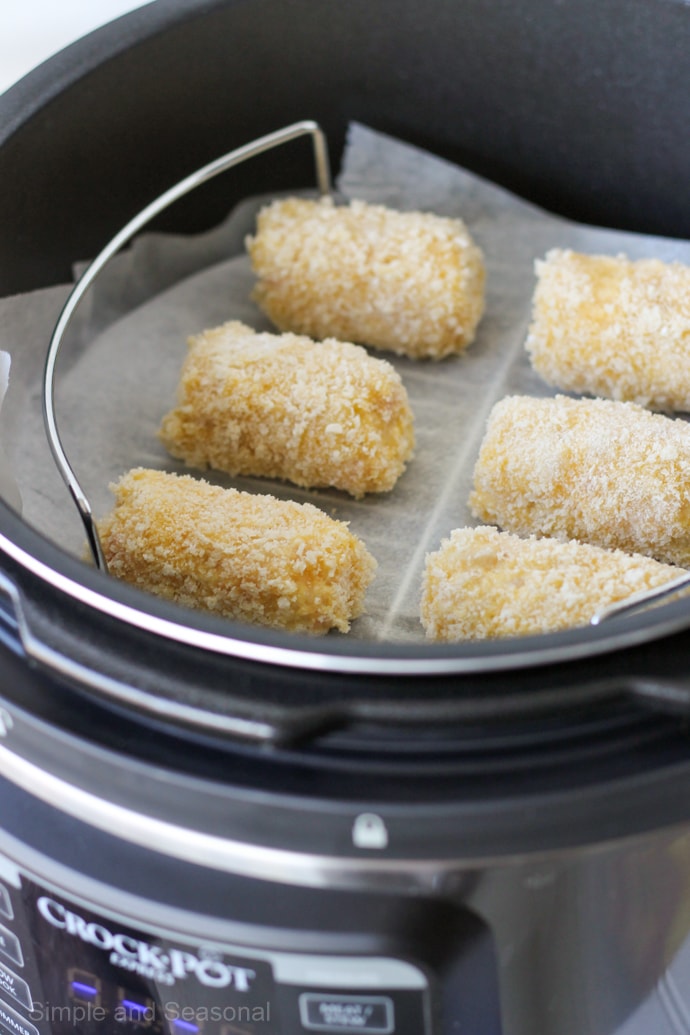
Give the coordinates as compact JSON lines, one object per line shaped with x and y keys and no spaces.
{"x":142,"y":219}
{"x":642,"y":600}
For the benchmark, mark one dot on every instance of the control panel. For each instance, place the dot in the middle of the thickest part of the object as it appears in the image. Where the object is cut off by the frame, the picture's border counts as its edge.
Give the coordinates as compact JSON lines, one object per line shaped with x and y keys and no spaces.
{"x":65,"y":968}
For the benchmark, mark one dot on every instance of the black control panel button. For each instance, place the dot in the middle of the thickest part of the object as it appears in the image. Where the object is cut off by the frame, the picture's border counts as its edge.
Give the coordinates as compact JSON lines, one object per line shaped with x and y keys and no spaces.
{"x":12,"y":1023}
{"x":371,"y":1011}
{"x":368,"y":1014}
{"x":10,"y":946}
{"x":13,"y":985}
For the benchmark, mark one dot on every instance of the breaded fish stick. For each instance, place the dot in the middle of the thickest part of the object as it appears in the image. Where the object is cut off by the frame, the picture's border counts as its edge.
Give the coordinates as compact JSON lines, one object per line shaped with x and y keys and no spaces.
{"x":608,"y":326}
{"x":607,"y":473}
{"x":283,"y":406}
{"x":410,"y":282}
{"x":248,"y":557}
{"x":485,"y":584}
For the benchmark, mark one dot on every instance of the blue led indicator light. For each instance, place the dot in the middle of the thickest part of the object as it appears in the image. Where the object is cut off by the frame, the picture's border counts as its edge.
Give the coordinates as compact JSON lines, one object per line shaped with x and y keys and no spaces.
{"x":185,"y":1026}
{"x":133,"y":1007}
{"x":82,"y":989}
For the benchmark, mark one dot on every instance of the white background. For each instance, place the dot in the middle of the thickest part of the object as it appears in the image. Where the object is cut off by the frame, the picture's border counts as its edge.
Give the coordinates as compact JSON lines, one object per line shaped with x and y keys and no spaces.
{"x":33,"y":30}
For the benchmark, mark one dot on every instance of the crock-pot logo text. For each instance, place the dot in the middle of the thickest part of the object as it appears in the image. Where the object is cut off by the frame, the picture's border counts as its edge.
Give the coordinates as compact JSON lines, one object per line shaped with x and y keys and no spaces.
{"x":163,"y":964}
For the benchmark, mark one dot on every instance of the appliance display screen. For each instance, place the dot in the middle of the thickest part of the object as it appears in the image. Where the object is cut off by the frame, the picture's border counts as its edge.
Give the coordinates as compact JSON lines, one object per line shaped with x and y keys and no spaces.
{"x":67,"y":970}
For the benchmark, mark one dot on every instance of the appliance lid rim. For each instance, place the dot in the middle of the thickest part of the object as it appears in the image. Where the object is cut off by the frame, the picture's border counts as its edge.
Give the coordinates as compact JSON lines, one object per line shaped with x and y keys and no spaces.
{"x":281,"y":865}
{"x":311,"y":868}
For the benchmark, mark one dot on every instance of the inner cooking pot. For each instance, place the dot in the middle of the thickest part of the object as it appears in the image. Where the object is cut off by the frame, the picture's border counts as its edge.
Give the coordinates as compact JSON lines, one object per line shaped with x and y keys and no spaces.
{"x":573,"y":107}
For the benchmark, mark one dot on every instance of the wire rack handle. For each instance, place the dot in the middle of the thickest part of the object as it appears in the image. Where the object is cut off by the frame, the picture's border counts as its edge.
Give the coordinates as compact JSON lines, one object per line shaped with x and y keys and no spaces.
{"x":154,"y":208}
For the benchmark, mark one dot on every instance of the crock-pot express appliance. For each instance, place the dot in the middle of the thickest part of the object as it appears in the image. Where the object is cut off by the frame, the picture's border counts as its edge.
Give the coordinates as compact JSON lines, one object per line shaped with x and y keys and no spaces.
{"x":218,"y":830}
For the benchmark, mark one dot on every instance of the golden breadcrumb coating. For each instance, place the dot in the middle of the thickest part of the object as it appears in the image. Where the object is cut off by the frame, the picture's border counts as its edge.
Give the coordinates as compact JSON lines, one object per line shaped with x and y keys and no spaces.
{"x":609,"y":326}
{"x":410,"y":282}
{"x":249,"y":557}
{"x":604,"y":472}
{"x":283,"y":406}
{"x":485,"y":584}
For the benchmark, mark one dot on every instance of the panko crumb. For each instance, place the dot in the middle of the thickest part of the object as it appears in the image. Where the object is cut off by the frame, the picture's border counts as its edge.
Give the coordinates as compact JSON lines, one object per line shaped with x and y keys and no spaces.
{"x":253,"y":558}
{"x":609,"y":326}
{"x":283,"y":406}
{"x":485,"y":584}
{"x":409,"y":282}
